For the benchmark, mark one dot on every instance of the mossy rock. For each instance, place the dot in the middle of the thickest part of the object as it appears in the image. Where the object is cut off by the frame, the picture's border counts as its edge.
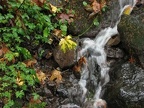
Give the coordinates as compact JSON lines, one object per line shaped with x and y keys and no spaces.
{"x":131,"y":30}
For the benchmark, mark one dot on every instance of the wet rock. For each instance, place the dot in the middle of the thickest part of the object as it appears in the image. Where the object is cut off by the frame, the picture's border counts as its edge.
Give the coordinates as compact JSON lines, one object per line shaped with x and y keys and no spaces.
{"x":126,"y":88}
{"x":64,"y":60}
{"x":48,"y":93}
{"x":62,"y":91}
{"x":114,"y":52}
{"x":131,"y":30}
{"x":115,"y":40}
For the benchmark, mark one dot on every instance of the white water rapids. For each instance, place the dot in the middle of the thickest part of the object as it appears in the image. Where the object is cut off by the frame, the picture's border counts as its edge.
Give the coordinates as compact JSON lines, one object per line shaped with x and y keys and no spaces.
{"x":97,"y":53}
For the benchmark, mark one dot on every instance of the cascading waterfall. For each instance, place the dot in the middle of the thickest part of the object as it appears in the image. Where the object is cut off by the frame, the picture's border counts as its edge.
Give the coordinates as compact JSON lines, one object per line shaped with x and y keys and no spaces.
{"x":97,"y":53}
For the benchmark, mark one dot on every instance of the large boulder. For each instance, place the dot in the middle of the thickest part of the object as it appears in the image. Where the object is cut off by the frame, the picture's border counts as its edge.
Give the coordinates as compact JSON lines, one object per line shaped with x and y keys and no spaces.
{"x":125,"y":89}
{"x":131,"y":30}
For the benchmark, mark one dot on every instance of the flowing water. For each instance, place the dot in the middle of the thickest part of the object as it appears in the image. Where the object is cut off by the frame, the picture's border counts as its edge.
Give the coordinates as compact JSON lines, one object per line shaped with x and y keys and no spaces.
{"x":94,"y":51}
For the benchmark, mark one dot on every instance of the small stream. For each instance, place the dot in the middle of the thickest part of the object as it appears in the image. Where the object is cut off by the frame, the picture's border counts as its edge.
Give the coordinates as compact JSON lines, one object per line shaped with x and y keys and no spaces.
{"x":94,"y":52}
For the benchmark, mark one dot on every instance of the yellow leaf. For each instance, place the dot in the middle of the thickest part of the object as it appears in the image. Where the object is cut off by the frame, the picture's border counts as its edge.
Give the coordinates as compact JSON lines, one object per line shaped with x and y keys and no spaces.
{"x":41,"y":76}
{"x":67,"y":44}
{"x":127,"y":10}
{"x":53,"y":8}
{"x":56,"y":75}
{"x":19,"y":80}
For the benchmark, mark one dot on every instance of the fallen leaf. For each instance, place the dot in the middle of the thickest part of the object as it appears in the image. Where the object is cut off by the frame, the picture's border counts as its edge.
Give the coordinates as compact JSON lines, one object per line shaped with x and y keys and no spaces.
{"x":77,"y":68}
{"x":57,"y":32}
{"x":132,"y":60}
{"x":56,"y":75}
{"x":127,"y":10}
{"x":96,"y":6}
{"x":4,"y":48}
{"x":66,"y":17}
{"x":30,"y":63}
{"x":41,"y":76}
{"x":82,"y":61}
{"x":53,"y":8}
{"x":102,"y":4}
{"x":35,"y":101}
{"x":39,"y":2}
{"x":19,"y":80}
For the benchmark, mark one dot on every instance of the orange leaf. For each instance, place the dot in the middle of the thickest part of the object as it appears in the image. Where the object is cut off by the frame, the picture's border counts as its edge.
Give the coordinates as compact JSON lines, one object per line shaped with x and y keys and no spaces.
{"x":81,"y":61}
{"x":96,"y":6}
{"x":77,"y":68}
{"x":131,"y":60}
{"x":56,"y":75}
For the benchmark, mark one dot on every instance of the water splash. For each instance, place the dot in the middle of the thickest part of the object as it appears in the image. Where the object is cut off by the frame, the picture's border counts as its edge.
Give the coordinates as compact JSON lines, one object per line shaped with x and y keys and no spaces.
{"x":95,"y":48}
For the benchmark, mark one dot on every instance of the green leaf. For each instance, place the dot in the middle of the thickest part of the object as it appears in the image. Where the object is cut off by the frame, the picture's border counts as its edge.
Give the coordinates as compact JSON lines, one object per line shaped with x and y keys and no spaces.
{"x":35,"y":96}
{"x":85,"y":3}
{"x":46,"y":32}
{"x":96,"y":22}
{"x":19,"y":94}
{"x":9,"y":56}
{"x":9,"y":104}
{"x":63,"y":28}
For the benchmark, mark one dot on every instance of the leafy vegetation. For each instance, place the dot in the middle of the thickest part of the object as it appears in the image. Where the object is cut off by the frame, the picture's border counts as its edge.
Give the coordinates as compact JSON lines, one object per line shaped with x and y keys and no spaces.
{"x":25,"y":23}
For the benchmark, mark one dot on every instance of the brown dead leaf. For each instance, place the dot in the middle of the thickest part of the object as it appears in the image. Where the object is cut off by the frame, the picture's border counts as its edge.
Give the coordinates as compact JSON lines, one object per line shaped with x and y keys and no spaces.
{"x":66,"y":17}
{"x":39,"y":2}
{"x":34,"y":101}
{"x":57,"y":33}
{"x":96,"y":6}
{"x":30,"y":63}
{"x":4,"y":49}
{"x":102,"y":4}
{"x":56,"y":75}
{"x":77,"y":68}
{"x":41,"y":76}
